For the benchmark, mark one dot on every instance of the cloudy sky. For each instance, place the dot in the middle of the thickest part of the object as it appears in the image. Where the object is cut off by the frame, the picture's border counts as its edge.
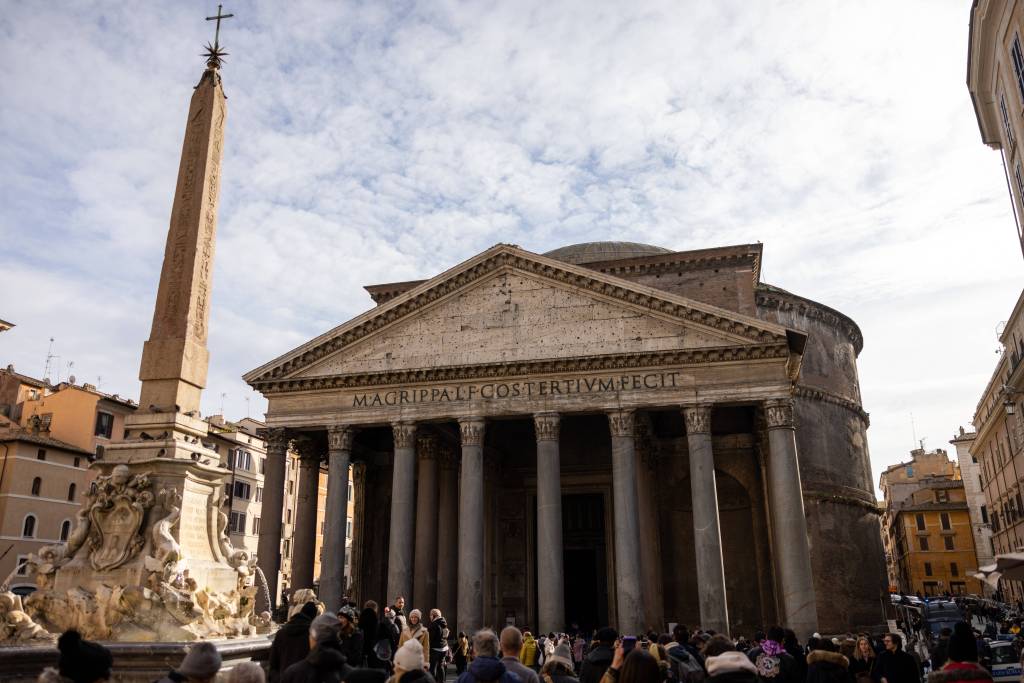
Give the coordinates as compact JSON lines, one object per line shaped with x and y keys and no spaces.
{"x":373,"y":142}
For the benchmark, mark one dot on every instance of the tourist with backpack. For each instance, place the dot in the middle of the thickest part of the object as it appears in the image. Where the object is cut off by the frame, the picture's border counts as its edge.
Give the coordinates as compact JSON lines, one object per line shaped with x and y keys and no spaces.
{"x":600,"y":656}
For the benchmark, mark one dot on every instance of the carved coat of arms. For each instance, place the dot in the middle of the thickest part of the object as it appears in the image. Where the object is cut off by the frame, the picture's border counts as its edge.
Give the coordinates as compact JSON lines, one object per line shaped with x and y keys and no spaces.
{"x":116,"y":515}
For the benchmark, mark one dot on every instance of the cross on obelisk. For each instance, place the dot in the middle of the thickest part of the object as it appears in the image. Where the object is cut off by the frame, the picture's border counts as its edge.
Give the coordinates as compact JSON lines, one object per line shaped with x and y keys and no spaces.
{"x":218,"y":17}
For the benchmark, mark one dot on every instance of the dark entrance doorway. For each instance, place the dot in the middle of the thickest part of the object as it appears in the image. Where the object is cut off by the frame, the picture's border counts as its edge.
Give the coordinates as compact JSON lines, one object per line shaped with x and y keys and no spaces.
{"x":586,"y":575}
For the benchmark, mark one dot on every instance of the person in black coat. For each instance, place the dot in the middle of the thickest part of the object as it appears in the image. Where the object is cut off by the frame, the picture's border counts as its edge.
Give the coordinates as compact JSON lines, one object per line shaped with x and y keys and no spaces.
{"x":437,"y":630}
{"x":351,"y":637}
{"x":291,"y":643}
{"x":827,"y":666}
{"x":600,"y":656}
{"x":894,"y":665}
{"x":325,"y":662}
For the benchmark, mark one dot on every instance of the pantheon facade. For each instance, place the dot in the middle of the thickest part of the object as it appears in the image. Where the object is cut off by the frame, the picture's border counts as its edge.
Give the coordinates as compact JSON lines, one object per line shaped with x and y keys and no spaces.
{"x":607,"y":433}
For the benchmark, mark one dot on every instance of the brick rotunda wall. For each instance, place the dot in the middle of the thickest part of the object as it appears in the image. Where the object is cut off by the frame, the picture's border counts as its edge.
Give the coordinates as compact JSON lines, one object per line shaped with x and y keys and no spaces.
{"x":835,"y":468}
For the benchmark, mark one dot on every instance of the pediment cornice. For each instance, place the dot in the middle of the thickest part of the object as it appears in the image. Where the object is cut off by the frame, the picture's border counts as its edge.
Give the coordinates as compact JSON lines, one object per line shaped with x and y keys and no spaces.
{"x":746,"y":331}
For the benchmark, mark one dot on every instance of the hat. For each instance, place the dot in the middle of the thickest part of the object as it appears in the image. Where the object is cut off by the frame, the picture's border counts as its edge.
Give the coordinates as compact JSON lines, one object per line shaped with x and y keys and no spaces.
{"x":418,"y":614}
{"x":962,"y":645}
{"x":83,"y":661}
{"x":607,"y":635}
{"x":348,"y":612}
{"x":410,"y":656}
{"x":202,"y":661}
{"x":563,"y":656}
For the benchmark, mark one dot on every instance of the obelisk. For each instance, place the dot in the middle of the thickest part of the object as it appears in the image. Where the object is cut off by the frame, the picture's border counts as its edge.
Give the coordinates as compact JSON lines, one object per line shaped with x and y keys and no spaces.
{"x":150,"y":557}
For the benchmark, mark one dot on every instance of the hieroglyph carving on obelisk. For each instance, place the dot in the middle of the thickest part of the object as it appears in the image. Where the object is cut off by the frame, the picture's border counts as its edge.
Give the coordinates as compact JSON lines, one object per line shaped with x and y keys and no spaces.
{"x":175,"y":359}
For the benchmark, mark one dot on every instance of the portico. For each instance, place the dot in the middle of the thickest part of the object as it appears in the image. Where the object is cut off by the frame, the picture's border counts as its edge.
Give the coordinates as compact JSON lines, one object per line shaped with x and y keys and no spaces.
{"x":518,"y":418}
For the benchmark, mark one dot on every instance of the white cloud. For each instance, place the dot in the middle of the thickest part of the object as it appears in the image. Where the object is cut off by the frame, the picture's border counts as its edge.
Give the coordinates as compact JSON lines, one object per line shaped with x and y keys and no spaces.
{"x":375,"y":142}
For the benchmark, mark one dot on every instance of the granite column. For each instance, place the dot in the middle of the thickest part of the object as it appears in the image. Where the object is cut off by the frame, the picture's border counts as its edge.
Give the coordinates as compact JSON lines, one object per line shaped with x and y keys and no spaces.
{"x":305,"y":515}
{"x":448,"y":533}
{"x":789,"y":525}
{"x":629,"y":599}
{"x":268,"y":550}
{"x":332,"y":559}
{"x":470,"y":609}
{"x":707,"y":536}
{"x":403,"y":510}
{"x":424,"y":591}
{"x":550,"y":569}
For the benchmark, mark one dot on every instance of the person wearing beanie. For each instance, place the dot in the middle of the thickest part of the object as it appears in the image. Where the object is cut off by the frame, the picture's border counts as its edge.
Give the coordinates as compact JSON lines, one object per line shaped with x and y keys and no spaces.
{"x":600,"y":656}
{"x":247,"y":672}
{"x":963,"y":658}
{"x":410,"y":663}
{"x":201,"y":663}
{"x":80,"y":661}
{"x":415,"y":629}
{"x":291,"y":642}
{"x":325,"y":662}
{"x":558,"y":666}
{"x":726,"y":664}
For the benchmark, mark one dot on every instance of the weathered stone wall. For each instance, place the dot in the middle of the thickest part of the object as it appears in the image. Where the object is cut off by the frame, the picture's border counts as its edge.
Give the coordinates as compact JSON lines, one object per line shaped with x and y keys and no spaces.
{"x":835,"y":468}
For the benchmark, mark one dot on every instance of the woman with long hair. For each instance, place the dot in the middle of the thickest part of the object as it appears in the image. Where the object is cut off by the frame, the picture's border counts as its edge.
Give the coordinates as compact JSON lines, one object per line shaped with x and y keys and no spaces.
{"x":862,"y":661}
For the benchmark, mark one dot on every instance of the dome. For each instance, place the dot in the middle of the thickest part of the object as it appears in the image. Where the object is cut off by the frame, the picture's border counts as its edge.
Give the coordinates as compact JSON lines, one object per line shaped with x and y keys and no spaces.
{"x":588,"y":252}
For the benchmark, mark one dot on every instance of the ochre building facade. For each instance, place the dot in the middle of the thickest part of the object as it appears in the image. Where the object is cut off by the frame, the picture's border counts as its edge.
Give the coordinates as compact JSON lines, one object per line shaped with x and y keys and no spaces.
{"x":605,"y":433}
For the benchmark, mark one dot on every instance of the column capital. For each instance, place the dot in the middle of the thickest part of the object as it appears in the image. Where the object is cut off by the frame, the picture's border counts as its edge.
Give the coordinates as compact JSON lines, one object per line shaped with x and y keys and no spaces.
{"x":339,"y":437}
{"x":698,"y":418}
{"x":426,"y":447}
{"x":778,"y":413}
{"x":546,"y":426}
{"x":309,"y":456}
{"x":404,"y":433}
{"x":276,"y":438}
{"x":471,"y":430}
{"x":621,"y":422}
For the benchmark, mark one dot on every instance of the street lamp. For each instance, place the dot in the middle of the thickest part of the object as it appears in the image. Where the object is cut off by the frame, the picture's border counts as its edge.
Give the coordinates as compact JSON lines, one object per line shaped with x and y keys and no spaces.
{"x":1009,"y":406}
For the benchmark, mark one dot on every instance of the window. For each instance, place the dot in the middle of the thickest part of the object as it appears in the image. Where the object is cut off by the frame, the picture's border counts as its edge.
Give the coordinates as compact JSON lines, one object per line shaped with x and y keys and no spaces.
{"x":944,"y":517}
{"x":322,"y":525}
{"x":984,"y":514}
{"x":65,"y":529}
{"x":78,"y":461}
{"x":949,"y":542}
{"x":923,"y":542}
{"x":104,"y":424}
{"x":910,"y":471}
{"x":942,"y":496}
{"x":242,"y":490}
{"x":263,"y":465}
{"x":259,"y":494}
{"x":1018,"y":64}
{"x":288,"y":520}
{"x":41,"y":454}
{"x":71,"y":492}
{"x":255,"y":526}
{"x":20,"y":564}
{"x":350,"y":492}
{"x":237,"y":522}
{"x":37,"y":483}
{"x":927,"y":568}
{"x":247,"y":460}
{"x":920,"y":522}
{"x":1019,"y":175}
{"x":348,"y":528}
{"x":291,"y":486}
{"x":1006,"y":122}
{"x":287,"y":547}
{"x":28,"y":529}
{"x":953,"y":569}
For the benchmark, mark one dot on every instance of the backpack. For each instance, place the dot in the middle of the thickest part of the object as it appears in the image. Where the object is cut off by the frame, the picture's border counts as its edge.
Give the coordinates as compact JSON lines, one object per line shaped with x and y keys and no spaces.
{"x":685,"y":669}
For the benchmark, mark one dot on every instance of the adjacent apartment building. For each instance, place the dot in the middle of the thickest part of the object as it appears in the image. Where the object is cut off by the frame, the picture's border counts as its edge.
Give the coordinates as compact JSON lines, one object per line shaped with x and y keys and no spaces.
{"x":970,"y":474}
{"x":995,"y":79}
{"x":926,"y":526}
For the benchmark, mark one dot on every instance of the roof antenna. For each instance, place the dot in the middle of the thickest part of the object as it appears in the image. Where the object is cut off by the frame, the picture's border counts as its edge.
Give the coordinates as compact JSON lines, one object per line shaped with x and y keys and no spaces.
{"x":49,"y":361}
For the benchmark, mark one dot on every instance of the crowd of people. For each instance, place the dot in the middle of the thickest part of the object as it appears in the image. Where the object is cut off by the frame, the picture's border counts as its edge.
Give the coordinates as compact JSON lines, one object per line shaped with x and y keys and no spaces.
{"x":389,"y":646}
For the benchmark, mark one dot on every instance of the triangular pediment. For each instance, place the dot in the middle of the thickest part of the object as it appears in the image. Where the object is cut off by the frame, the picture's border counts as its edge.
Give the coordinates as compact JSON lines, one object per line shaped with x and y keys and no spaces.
{"x":507,"y":305}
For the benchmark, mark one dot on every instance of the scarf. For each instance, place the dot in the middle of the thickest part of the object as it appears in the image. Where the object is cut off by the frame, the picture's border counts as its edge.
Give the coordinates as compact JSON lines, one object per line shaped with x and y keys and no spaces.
{"x":771,"y":648}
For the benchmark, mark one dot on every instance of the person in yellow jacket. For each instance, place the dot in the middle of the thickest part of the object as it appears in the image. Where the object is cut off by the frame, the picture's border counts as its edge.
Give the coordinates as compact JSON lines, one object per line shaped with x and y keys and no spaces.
{"x":528,"y":655}
{"x":415,"y":630}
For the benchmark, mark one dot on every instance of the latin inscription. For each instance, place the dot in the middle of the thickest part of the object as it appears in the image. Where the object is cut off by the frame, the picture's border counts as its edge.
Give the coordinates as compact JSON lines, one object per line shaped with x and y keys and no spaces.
{"x":520,"y":389}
